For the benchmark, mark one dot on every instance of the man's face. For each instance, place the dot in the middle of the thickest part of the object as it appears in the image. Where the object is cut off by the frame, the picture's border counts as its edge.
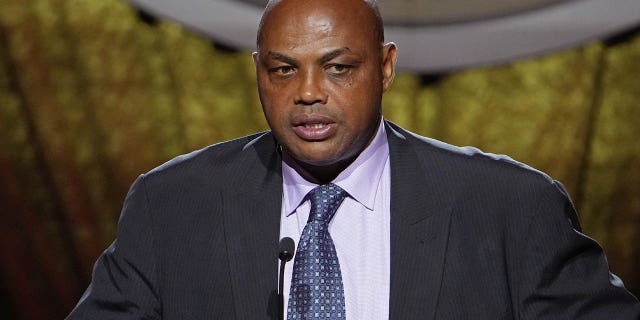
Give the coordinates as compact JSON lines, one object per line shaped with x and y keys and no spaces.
{"x":321,"y":74}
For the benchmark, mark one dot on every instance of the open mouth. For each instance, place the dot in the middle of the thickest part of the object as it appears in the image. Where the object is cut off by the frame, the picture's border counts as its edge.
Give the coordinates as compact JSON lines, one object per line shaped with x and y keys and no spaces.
{"x":315,"y":131}
{"x":315,"y":125}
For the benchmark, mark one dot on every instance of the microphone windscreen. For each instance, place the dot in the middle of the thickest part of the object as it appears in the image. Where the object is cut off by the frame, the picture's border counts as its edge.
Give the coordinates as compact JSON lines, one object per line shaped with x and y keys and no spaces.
{"x":287,"y":249}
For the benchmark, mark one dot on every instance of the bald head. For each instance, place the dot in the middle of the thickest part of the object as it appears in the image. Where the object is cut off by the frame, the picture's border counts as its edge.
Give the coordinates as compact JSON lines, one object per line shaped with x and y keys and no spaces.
{"x":365,"y":8}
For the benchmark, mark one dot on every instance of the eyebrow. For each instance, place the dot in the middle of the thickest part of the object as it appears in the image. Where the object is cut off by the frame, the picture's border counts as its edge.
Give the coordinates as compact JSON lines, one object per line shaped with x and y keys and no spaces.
{"x":282,"y":57}
{"x":333,"y":54}
{"x":325,"y":58}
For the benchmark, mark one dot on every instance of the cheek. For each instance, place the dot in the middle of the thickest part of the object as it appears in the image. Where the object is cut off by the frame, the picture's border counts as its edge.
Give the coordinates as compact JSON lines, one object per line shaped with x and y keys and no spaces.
{"x":358,"y":101}
{"x":273,"y":94}
{"x":271,"y":99}
{"x":363,"y":84}
{"x":275,"y":116}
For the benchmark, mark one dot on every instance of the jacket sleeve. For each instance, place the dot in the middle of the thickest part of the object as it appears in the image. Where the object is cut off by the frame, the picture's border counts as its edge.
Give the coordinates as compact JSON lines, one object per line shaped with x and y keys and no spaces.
{"x":564,"y":274}
{"x":124,"y":282}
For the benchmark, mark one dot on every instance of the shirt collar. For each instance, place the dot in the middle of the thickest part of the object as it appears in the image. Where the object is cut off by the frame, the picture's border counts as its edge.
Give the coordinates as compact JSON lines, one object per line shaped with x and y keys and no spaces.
{"x":357,"y":179}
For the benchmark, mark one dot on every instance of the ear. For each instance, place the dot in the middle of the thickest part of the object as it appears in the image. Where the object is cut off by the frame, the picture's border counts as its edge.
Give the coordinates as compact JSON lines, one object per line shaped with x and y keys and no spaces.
{"x":255,"y":57}
{"x":388,"y":65}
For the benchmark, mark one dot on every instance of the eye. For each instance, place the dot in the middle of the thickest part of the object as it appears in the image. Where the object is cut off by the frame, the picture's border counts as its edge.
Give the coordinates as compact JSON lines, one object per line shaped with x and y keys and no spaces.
{"x":338,"y":69}
{"x":282,"y":70}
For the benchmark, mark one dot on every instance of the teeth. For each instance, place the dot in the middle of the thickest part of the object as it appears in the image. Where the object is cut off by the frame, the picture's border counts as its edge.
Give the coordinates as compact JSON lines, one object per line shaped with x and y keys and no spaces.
{"x":314,"y":125}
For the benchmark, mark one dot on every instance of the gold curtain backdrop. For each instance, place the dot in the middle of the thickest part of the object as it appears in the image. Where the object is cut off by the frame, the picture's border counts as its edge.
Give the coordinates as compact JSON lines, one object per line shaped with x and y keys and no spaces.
{"x":91,"y":96}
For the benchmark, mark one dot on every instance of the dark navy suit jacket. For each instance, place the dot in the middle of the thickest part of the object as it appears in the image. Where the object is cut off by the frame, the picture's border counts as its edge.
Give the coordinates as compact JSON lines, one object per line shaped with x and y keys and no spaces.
{"x":473,"y":236}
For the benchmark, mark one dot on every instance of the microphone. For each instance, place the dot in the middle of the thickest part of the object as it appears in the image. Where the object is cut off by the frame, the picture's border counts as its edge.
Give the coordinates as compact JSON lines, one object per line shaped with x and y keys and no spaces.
{"x":286,"y":250}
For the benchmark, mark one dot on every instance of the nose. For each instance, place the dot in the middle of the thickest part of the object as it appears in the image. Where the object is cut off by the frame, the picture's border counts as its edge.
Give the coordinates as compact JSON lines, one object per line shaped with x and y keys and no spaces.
{"x":310,"y":89}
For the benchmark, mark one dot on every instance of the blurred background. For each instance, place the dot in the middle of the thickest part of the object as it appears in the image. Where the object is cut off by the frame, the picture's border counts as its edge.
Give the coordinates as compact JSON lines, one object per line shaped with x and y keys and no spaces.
{"x":96,"y":92}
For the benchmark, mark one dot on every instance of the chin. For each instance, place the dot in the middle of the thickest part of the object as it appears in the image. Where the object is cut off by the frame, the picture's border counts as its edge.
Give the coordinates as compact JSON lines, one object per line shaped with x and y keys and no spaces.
{"x":314,"y":157}
{"x":325,"y":159}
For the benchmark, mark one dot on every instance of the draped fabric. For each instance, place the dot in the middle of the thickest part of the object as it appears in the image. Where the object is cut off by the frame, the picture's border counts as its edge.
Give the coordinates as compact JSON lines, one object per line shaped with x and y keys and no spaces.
{"x":91,"y":96}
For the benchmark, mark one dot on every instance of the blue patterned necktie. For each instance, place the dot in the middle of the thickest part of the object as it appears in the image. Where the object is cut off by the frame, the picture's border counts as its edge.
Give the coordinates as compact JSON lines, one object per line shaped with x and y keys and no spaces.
{"x":316,"y":285}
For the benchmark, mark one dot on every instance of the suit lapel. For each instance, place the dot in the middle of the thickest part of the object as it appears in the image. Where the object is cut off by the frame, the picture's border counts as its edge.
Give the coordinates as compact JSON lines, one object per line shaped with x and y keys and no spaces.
{"x":420,"y":219}
{"x":252,"y":225}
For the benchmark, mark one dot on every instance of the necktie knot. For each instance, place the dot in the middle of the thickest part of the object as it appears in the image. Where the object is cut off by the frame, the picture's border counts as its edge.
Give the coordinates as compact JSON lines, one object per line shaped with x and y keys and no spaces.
{"x":325,"y":200}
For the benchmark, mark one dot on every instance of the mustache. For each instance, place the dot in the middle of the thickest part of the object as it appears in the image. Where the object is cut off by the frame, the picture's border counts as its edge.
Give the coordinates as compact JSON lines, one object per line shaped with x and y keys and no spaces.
{"x":313,"y":114}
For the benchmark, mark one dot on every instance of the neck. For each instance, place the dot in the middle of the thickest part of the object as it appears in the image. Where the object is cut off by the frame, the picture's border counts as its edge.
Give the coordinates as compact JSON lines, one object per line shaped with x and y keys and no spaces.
{"x":313,"y":173}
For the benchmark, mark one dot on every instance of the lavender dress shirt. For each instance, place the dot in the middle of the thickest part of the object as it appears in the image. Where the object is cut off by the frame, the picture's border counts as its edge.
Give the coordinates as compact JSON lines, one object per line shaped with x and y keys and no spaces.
{"x":360,"y":228}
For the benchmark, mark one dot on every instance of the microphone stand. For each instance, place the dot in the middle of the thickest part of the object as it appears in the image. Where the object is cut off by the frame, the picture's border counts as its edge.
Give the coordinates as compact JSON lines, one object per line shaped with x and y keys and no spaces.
{"x":287,"y":249}
{"x":280,"y":290}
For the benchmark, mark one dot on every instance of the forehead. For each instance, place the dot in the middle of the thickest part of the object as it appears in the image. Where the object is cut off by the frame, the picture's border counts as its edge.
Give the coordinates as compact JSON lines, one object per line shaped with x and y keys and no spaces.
{"x":293,"y":23}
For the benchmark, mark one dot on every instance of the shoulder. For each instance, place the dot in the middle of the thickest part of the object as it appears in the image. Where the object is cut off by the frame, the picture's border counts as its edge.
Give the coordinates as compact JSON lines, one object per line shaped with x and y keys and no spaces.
{"x":193,"y":185}
{"x":467,"y":161}
{"x":476,"y":179}
{"x":216,"y":154}
{"x":217,"y":164}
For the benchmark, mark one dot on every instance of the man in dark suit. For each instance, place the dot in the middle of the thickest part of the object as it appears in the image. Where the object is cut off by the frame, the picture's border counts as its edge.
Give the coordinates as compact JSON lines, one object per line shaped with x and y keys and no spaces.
{"x":457,"y":233}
